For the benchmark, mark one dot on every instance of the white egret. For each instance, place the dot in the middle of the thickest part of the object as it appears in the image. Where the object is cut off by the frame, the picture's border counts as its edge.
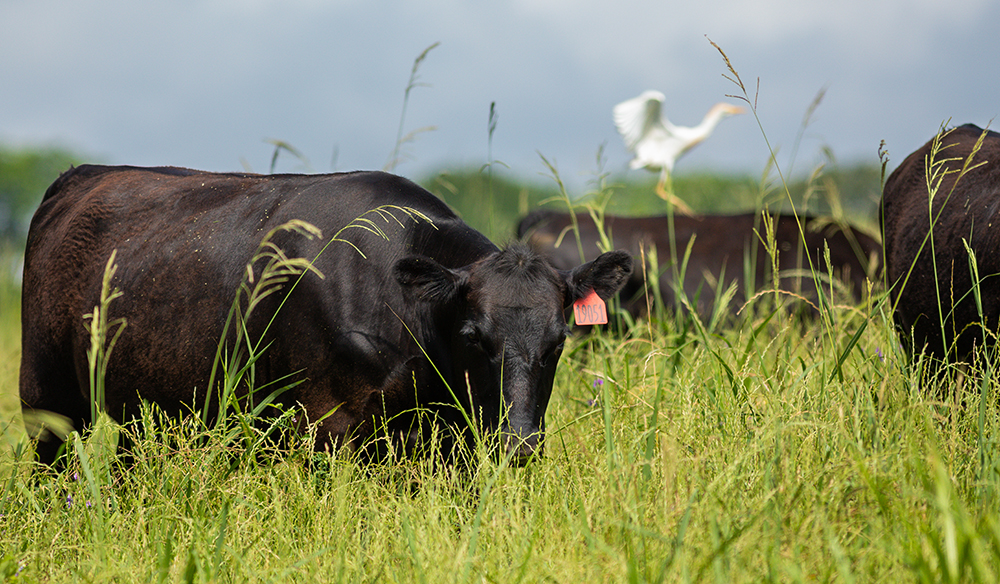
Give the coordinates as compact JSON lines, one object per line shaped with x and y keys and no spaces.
{"x":656,"y":143}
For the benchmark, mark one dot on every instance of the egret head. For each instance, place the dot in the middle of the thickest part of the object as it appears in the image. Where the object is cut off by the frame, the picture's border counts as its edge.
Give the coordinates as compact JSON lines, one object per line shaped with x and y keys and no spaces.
{"x":726,"y":109}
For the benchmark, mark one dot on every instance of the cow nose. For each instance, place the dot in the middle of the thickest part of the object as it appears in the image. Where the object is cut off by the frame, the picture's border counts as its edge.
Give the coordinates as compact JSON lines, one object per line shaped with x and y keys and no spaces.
{"x":520,"y":449}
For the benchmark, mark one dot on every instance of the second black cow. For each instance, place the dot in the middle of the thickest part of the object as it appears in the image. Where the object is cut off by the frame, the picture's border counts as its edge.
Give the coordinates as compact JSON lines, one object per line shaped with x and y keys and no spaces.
{"x":418,"y":312}
{"x":722,"y":247}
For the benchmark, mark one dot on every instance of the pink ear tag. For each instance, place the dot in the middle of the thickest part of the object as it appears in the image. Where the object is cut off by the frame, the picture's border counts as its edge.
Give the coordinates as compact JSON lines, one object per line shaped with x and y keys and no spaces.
{"x":590,"y":309}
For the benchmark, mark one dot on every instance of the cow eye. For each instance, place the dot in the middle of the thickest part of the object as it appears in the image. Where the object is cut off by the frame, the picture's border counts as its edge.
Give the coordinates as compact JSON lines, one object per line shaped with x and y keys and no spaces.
{"x":473,"y":337}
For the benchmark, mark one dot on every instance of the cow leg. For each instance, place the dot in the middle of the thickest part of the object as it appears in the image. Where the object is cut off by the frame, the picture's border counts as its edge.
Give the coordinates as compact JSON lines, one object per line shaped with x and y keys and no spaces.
{"x":52,"y":405}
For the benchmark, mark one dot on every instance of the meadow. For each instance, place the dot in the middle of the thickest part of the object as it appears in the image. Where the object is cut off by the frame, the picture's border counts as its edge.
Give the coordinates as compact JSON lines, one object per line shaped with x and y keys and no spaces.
{"x":767,"y":448}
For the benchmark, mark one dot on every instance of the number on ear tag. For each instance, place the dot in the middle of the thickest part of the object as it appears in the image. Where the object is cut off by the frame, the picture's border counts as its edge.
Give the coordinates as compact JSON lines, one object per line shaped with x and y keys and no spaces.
{"x":590,"y":309}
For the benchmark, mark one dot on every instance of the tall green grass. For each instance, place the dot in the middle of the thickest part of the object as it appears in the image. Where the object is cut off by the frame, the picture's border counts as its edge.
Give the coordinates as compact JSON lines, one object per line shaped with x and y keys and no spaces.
{"x":672,"y":456}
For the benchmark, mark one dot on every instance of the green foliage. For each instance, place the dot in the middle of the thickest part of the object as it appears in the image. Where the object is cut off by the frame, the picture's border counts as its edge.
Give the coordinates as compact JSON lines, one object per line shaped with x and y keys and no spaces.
{"x":24,"y":176}
{"x":469,"y":192}
{"x":11,"y":428}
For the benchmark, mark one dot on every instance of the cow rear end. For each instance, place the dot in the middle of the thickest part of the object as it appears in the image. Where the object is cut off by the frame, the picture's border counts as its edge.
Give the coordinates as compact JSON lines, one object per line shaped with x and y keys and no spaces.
{"x":934,"y":301}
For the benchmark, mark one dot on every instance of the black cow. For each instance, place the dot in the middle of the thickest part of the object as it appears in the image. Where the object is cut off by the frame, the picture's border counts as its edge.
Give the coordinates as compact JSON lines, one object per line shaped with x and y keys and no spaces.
{"x":965,"y":208}
{"x":721,"y":244}
{"x":430,"y":314}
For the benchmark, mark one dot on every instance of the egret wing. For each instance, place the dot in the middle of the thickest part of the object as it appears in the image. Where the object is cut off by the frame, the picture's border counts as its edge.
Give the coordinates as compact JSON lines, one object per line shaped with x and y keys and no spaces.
{"x":636,"y":118}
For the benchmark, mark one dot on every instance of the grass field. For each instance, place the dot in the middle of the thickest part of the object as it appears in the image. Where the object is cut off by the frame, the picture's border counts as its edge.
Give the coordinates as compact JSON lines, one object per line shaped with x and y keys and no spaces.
{"x":774,"y":450}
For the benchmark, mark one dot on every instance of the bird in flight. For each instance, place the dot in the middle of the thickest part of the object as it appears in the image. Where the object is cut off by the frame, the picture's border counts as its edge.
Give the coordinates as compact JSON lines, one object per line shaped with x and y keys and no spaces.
{"x":656,"y":143}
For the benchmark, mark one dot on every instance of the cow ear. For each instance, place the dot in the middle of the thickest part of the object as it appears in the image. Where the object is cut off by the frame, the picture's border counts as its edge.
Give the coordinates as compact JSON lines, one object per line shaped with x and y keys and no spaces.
{"x":425,"y":279}
{"x":605,"y":275}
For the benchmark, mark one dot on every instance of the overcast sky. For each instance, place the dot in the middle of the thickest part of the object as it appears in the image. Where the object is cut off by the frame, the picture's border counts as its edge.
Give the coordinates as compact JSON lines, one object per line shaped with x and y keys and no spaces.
{"x":203,"y":83}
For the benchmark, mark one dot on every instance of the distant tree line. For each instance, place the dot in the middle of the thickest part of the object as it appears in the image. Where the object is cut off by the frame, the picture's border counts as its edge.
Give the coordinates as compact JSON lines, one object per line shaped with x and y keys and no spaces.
{"x":493,"y":202}
{"x":25,"y":173}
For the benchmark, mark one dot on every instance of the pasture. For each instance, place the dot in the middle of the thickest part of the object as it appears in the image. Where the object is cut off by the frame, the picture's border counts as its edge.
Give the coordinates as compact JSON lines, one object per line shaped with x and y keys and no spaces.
{"x":772,"y":450}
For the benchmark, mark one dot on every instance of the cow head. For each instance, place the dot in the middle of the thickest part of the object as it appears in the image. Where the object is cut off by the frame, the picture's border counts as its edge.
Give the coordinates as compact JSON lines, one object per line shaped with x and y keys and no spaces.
{"x":502,"y":323}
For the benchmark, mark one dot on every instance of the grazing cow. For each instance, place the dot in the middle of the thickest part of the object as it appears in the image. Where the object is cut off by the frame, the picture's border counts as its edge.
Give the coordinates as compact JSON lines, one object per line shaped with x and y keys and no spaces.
{"x":721,"y":244}
{"x":431,"y":314}
{"x":966,"y":206}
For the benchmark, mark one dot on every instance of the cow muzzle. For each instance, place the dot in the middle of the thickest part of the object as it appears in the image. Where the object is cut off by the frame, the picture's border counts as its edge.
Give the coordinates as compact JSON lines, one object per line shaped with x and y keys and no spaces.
{"x":520,"y":446}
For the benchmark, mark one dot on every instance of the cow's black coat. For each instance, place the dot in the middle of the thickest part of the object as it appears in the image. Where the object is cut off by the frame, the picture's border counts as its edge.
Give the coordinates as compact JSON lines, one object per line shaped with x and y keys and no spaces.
{"x":721,"y":243}
{"x":965,"y":208}
{"x":358,"y":337}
